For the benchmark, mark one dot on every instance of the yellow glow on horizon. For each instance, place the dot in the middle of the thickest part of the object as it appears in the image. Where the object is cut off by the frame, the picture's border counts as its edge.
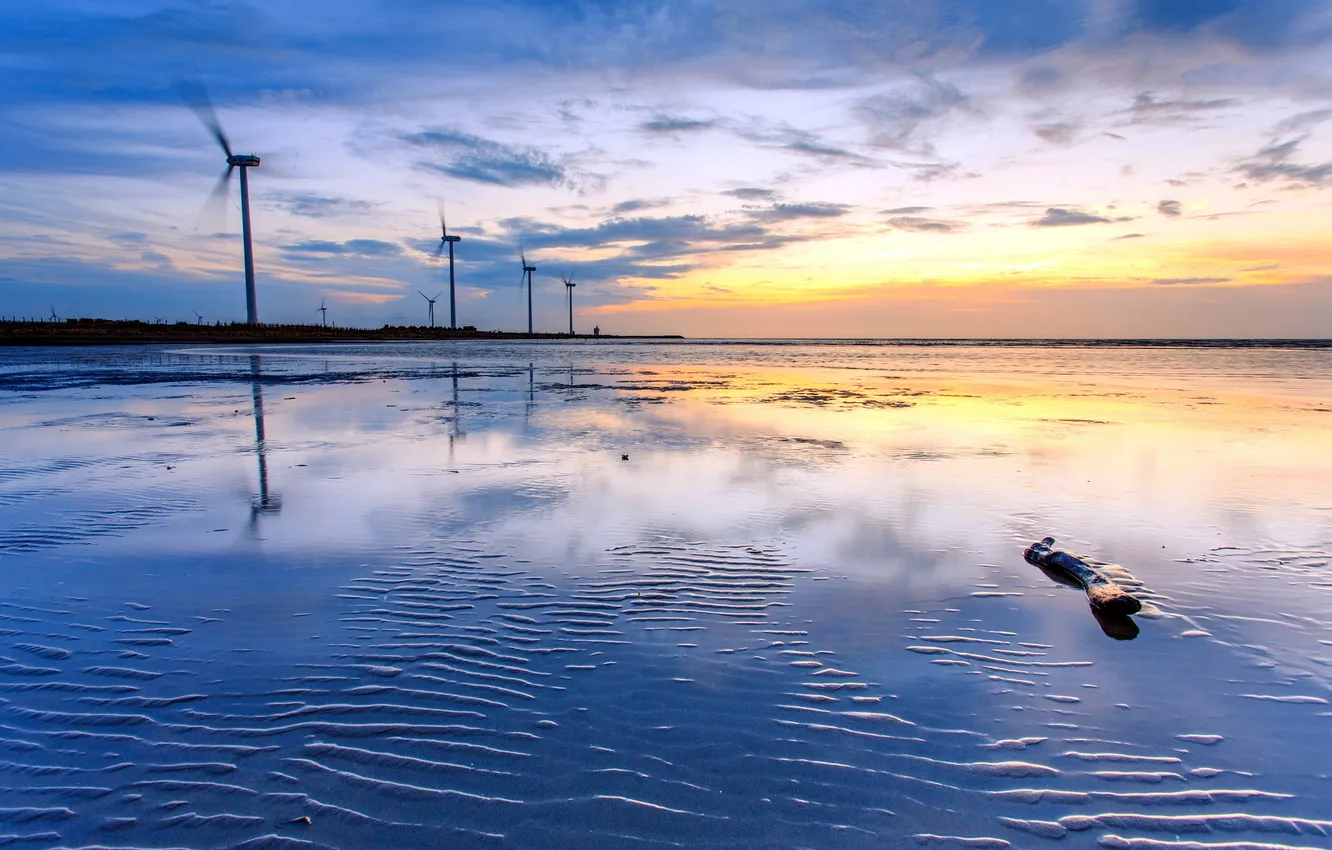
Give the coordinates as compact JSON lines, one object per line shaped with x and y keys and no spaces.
{"x":928,"y":266}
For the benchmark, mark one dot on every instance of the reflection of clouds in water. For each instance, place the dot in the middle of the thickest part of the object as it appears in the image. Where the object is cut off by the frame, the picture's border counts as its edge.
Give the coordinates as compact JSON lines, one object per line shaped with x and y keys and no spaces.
{"x":730,"y":630}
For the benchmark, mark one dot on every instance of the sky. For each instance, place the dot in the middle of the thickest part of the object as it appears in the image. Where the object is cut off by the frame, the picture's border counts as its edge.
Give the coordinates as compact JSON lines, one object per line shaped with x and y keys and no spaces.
{"x":741,"y":168}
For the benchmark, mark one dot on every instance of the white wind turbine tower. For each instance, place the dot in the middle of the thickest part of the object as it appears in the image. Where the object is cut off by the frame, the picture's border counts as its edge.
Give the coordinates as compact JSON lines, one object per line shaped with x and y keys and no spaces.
{"x":431,"y":302}
{"x":323,"y":309}
{"x":569,"y":288}
{"x":447,"y":239}
{"x":527,"y":272}
{"x":198,"y":317}
{"x":197,"y":97}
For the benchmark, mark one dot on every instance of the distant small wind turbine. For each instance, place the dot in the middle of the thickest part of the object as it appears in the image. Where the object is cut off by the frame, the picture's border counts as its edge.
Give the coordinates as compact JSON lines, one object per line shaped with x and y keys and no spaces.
{"x":323,"y":309}
{"x":431,"y":302}
{"x":54,"y":317}
{"x":527,"y":272}
{"x":198,"y":317}
{"x":569,"y":288}
{"x":197,"y":98}
{"x":157,"y":320}
{"x":448,"y":239}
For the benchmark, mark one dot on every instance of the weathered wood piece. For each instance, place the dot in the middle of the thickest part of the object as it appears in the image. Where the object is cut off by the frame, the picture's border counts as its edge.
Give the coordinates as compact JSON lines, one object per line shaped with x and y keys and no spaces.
{"x":1103,"y":593}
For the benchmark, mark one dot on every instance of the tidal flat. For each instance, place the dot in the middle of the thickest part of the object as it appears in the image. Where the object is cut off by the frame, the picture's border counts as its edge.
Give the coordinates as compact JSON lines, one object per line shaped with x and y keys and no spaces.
{"x":548,"y":595}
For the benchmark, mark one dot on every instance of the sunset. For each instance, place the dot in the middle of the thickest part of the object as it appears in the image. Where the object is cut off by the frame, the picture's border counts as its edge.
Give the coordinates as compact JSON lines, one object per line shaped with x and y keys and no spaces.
{"x":636,"y":425}
{"x":946,"y":169}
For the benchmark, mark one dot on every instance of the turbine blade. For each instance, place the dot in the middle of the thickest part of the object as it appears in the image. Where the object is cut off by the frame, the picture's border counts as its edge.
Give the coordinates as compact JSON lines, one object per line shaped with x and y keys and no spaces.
{"x":436,"y":298}
{"x":423,"y":295}
{"x":196,"y":97}
{"x":442,"y":224}
{"x":439,"y":249}
{"x":214,"y":213}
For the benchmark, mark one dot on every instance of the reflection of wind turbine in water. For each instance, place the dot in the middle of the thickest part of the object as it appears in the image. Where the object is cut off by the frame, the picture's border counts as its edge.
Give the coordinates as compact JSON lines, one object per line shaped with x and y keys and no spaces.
{"x":531,"y":396}
{"x":456,"y":432}
{"x":265,"y":502}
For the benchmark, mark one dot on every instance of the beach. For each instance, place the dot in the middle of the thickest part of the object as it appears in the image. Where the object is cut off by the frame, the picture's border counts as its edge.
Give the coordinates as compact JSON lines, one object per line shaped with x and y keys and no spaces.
{"x":649,"y":594}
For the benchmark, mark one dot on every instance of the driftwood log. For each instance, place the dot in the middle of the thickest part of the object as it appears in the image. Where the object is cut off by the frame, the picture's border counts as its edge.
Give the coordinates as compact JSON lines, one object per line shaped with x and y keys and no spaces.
{"x":1102,"y":593}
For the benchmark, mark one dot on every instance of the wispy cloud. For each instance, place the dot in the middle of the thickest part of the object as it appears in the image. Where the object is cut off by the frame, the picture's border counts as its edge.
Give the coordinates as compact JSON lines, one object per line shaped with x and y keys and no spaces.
{"x":313,"y":205}
{"x":1188,"y":281}
{"x":1272,"y":164}
{"x":359,"y":247}
{"x":925,"y":225}
{"x":470,"y":157}
{"x":750,"y":193}
{"x":785,"y":212}
{"x":1058,"y":132}
{"x":1148,"y":109}
{"x":674,"y":125}
{"x":1064,"y":217}
{"x":895,"y":117}
{"x":1170,"y":209}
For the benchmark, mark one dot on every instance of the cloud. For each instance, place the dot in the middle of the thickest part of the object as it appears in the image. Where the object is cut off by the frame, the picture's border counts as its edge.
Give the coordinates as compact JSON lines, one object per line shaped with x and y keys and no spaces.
{"x":1057,"y":133}
{"x":311,"y":205}
{"x":638,"y":204}
{"x":803,"y":142}
{"x":1188,"y":281}
{"x":1146,"y":109}
{"x":1063,"y":217}
{"x":1267,"y":268}
{"x":1272,"y":164}
{"x":785,"y":212}
{"x":1129,"y":236}
{"x":1170,"y":209}
{"x":1301,"y":122}
{"x":357,"y":247}
{"x":749,"y":193}
{"x":670,"y":125}
{"x":925,"y":225}
{"x":811,"y":146}
{"x":894,"y":117}
{"x":481,"y":160}
{"x":907,"y":210}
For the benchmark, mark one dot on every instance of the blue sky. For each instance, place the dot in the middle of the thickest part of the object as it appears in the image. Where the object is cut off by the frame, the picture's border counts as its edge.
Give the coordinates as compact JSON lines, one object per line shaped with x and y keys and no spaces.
{"x":981,"y":168}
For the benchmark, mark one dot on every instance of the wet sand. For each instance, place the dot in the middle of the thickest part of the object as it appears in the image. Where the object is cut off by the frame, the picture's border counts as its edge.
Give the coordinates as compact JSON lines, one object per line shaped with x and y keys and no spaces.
{"x":416,"y":596}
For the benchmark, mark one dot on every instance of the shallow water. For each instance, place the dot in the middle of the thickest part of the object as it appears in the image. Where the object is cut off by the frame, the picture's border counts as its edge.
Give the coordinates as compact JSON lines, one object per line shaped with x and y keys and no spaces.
{"x":418,"y":596}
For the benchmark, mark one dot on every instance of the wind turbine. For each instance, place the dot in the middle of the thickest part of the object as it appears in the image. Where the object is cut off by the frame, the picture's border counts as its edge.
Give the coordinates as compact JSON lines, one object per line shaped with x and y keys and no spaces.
{"x":198,"y":317}
{"x":431,"y":302}
{"x":527,"y":272}
{"x":54,"y":317}
{"x":197,"y":97}
{"x":448,"y":239}
{"x":323,"y":309}
{"x":569,"y":288}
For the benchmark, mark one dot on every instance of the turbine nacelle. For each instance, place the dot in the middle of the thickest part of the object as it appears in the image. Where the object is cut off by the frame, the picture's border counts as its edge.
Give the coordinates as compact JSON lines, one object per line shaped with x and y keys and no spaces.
{"x":449,"y":237}
{"x":243,"y":160}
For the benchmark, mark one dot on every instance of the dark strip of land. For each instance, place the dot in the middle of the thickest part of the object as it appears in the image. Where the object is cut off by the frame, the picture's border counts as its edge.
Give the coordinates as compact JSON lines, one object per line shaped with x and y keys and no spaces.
{"x":112,"y":332}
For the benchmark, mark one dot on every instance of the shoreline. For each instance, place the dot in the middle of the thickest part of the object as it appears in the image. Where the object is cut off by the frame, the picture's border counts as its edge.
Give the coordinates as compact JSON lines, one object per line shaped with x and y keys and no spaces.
{"x":112,"y":332}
